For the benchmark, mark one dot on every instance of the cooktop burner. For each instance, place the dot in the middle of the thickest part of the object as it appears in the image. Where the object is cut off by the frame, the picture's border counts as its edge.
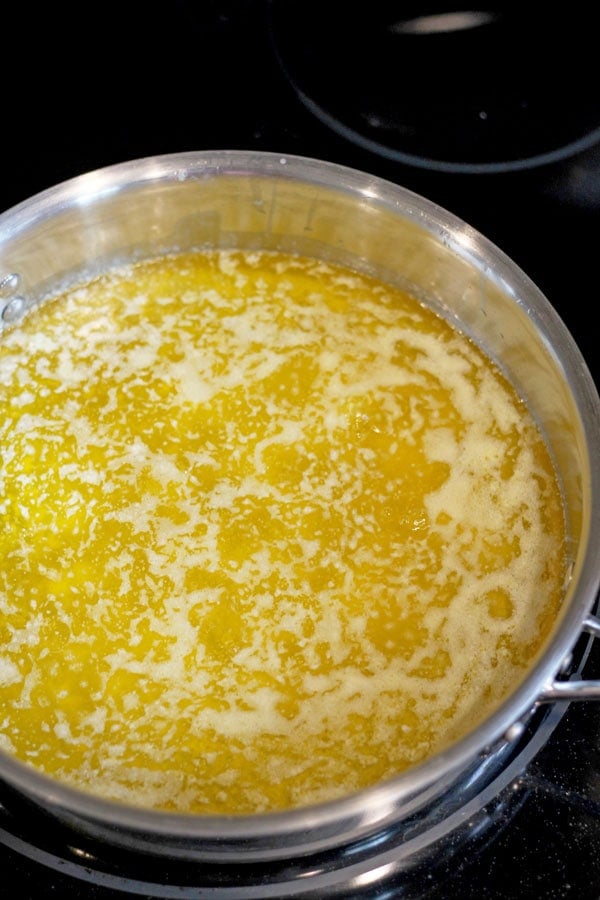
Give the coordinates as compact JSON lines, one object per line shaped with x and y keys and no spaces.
{"x":440,"y":87}
{"x":126,"y":81}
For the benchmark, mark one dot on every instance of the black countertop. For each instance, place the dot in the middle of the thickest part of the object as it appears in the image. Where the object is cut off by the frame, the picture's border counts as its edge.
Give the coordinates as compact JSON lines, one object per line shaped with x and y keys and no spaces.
{"x":105,"y":83}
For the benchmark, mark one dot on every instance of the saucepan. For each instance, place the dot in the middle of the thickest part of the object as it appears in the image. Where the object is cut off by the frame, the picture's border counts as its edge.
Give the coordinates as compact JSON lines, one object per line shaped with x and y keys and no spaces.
{"x":267,"y":201}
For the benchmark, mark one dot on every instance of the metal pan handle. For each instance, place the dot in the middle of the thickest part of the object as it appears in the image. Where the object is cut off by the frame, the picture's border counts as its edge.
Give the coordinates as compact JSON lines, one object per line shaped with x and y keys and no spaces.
{"x":575,"y":690}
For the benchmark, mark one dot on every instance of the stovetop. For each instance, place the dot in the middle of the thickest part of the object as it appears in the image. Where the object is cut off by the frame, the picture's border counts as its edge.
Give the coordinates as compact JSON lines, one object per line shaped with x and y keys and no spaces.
{"x":113,"y":82}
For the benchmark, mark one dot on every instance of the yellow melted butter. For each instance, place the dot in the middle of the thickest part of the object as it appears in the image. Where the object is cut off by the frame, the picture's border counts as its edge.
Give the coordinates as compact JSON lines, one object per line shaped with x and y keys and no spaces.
{"x":271,"y":531}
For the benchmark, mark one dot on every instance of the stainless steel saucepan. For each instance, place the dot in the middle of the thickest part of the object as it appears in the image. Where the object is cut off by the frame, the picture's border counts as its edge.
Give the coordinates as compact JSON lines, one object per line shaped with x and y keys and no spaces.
{"x":261,"y":200}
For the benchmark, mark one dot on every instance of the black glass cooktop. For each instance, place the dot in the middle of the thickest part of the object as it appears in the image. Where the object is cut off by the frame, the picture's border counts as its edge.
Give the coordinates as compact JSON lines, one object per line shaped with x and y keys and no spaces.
{"x":110,"y":82}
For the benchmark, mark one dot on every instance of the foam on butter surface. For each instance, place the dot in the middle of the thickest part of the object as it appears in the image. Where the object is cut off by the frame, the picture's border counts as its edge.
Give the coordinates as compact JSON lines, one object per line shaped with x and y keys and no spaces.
{"x":271,"y":531}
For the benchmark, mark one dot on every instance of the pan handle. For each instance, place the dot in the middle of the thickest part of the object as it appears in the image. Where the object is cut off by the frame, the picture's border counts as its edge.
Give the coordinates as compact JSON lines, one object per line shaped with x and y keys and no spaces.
{"x":575,"y":690}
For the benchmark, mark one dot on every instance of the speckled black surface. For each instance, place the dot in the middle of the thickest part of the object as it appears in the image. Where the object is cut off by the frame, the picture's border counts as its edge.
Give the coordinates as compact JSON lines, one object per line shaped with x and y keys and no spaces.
{"x":109,"y":82}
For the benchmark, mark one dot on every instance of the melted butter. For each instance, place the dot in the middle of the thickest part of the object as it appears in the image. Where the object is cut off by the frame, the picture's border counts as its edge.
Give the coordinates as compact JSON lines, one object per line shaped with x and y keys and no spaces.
{"x":271,"y":531}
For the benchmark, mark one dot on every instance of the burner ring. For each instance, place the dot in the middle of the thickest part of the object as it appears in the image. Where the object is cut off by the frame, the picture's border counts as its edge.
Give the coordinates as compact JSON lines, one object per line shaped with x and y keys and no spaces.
{"x":457,"y":92}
